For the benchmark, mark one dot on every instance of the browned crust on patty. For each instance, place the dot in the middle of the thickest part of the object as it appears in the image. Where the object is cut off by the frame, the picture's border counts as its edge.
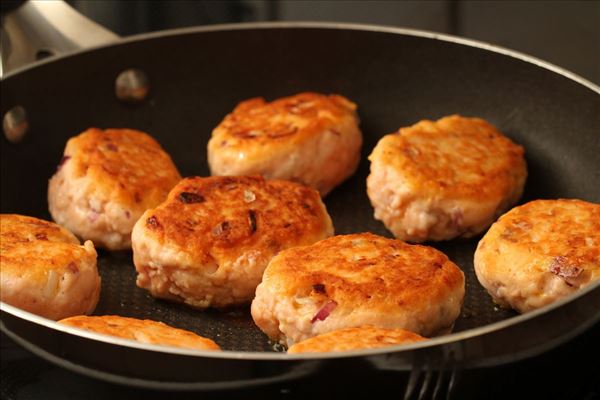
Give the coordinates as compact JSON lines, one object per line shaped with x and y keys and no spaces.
{"x":366,"y":270}
{"x":223,"y":217}
{"x":18,"y":229}
{"x":145,"y":331}
{"x":555,"y":228}
{"x":364,"y":337}
{"x":266,"y":126}
{"x":29,"y":247}
{"x":126,"y":165}
{"x":456,"y":156}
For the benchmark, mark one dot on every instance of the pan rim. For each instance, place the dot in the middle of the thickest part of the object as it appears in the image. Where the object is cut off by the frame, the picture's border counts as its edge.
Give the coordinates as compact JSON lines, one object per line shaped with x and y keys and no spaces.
{"x":275,"y":356}
{"x":323,"y":25}
{"x":455,"y":337}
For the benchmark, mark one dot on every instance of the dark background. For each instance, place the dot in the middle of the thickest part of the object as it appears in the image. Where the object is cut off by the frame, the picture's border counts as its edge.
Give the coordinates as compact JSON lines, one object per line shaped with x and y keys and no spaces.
{"x":566,"y":33}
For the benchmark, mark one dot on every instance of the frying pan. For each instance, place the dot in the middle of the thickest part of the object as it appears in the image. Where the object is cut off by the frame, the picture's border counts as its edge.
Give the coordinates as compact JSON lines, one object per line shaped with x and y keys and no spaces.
{"x":397,"y":77}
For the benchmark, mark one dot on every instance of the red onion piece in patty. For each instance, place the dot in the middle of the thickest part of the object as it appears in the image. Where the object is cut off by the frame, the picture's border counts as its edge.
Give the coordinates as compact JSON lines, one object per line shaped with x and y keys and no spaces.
{"x":561,"y":267}
{"x":41,"y":236}
{"x":152,"y":222}
{"x":457,"y":217}
{"x":93,"y":216}
{"x":62,"y":161}
{"x":324,"y":312}
{"x":111,"y":147}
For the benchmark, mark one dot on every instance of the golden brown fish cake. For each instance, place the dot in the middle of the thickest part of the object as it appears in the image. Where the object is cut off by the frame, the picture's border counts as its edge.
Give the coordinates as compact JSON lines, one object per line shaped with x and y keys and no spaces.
{"x":353,"y":280}
{"x":444,"y":179}
{"x":44,"y":270}
{"x":309,"y":138}
{"x":106,"y":180}
{"x":143,"y":331}
{"x":363,"y":337}
{"x":210,"y":241}
{"x":540,"y":252}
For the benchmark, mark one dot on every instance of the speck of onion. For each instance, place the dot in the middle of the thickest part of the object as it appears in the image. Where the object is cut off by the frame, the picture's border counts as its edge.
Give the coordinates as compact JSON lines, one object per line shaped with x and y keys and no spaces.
{"x":249,"y":196}
{"x":93,"y":216}
{"x":51,"y":287}
{"x":324,"y":312}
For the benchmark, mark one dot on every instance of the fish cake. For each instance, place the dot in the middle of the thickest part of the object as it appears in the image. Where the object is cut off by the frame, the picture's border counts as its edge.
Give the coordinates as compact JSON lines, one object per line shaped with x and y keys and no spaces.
{"x":444,"y":179}
{"x":353,"y":280}
{"x":363,"y":337}
{"x":540,"y":252}
{"x":141,"y":330}
{"x":106,"y":180}
{"x":208,"y":244}
{"x":309,"y":138}
{"x":44,"y":270}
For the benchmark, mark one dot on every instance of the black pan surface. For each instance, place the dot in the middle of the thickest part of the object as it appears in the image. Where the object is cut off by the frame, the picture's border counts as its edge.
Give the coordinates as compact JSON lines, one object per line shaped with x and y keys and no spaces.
{"x":396,"y":77}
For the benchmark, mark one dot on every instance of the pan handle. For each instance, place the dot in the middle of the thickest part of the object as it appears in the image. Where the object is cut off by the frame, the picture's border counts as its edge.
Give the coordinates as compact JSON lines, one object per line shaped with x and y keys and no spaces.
{"x":39,"y":29}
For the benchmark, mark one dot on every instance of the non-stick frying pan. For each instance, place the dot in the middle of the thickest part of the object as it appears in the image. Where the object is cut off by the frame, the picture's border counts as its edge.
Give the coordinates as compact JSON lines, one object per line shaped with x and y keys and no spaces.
{"x":396,"y":77}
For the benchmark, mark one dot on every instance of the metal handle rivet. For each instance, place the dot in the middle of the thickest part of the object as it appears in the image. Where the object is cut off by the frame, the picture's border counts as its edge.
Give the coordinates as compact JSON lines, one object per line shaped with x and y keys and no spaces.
{"x":132,"y":86}
{"x":15,"y":124}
